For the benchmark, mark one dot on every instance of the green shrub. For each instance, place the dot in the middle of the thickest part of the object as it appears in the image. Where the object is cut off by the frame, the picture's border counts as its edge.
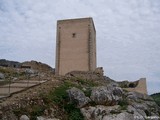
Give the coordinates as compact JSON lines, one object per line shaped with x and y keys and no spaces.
{"x":86,"y":82}
{"x":59,"y":95}
{"x":156,"y":97}
{"x":36,"y":111}
{"x":123,"y":103}
{"x":32,"y":111}
{"x":75,"y":115}
{"x":147,"y":113}
{"x":19,"y":111}
{"x":61,"y":98}
{"x":88,"y":92}
{"x":92,"y":103}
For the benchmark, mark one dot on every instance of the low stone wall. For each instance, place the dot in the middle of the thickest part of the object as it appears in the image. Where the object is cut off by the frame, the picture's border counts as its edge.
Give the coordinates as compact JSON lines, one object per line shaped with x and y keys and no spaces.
{"x":88,"y":75}
{"x":141,"y":86}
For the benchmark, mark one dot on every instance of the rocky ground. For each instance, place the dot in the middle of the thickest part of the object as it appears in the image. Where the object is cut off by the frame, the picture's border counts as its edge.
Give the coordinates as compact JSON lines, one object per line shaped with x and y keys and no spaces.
{"x":79,"y":96}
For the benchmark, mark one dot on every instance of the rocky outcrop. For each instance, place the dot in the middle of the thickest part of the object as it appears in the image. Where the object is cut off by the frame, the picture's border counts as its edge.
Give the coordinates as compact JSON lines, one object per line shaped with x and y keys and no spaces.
{"x":142,"y":104}
{"x":106,"y":95}
{"x":89,"y":94}
{"x":78,"y":97}
{"x":112,"y":103}
{"x":98,"y":112}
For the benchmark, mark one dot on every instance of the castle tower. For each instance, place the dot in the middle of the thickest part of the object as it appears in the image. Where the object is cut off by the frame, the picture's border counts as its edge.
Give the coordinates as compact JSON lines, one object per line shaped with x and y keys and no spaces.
{"x":75,"y":46}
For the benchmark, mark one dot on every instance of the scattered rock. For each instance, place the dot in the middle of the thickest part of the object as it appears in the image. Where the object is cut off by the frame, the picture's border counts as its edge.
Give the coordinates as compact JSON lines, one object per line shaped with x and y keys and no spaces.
{"x":43,"y":118}
{"x":24,"y":117}
{"x":76,"y":95}
{"x":40,"y":118}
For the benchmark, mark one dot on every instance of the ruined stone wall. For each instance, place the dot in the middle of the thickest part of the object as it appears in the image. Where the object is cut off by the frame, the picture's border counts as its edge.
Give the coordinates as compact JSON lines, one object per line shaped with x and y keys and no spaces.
{"x":141,"y":86}
{"x":75,"y":47}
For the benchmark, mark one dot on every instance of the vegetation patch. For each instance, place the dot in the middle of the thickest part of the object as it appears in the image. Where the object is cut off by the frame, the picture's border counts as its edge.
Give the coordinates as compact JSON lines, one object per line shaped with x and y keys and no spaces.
{"x":85,"y":82}
{"x":61,"y":98}
{"x":123,"y":104}
{"x":87,"y":92}
{"x":32,"y":110}
{"x":156,"y":97}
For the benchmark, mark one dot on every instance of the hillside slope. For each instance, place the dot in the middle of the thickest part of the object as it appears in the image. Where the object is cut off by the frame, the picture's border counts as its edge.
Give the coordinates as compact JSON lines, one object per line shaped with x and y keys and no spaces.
{"x":79,"y":96}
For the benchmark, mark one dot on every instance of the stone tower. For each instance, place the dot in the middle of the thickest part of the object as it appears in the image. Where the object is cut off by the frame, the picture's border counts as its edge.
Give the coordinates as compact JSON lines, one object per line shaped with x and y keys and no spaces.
{"x":75,"y":45}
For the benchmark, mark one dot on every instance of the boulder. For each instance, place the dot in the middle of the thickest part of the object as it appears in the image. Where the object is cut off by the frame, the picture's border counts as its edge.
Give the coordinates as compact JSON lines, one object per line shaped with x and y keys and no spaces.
{"x":98,"y":112}
{"x":76,"y":95}
{"x":106,"y":95}
{"x":40,"y":118}
{"x":24,"y":117}
{"x":121,"y":116}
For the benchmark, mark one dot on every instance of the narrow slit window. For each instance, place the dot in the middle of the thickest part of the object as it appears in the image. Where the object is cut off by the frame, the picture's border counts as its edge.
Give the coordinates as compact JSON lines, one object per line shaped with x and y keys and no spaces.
{"x":73,"y":35}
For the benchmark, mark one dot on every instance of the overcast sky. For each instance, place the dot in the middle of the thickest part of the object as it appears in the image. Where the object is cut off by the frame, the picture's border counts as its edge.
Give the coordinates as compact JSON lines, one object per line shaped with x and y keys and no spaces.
{"x":128,"y":34}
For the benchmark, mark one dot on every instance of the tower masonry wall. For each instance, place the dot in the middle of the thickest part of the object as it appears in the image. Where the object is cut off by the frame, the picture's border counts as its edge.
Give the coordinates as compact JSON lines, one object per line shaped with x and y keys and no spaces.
{"x":76,"y":45}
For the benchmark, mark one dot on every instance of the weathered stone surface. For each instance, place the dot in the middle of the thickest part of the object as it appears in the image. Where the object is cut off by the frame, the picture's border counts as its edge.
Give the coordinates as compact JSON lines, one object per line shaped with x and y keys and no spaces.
{"x":136,"y":112}
{"x":86,"y":75}
{"x":135,"y":96}
{"x":121,"y":116}
{"x":43,"y":118}
{"x":98,"y":112}
{"x":24,"y":117}
{"x":99,"y":70}
{"x":76,"y":95}
{"x":106,"y":95}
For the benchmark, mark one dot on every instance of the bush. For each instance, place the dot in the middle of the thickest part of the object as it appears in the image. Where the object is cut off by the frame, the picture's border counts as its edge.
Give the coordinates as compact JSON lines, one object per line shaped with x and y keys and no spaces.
{"x":156,"y":97}
{"x":19,"y":111}
{"x":88,"y":92}
{"x":75,"y":115}
{"x":123,"y":103}
{"x":37,"y":111}
{"x":85,"y":82}
{"x":32,"y":111}
{"x":60,"y":97}
{"x":57,"y":97}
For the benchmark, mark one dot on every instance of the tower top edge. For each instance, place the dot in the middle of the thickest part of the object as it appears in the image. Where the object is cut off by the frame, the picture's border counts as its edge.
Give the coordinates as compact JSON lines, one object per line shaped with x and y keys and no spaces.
{"x":75,"y":19}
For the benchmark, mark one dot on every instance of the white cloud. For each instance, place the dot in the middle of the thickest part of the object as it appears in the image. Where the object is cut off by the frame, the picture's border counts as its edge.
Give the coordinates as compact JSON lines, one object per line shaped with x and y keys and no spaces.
{"x":128,"y":39}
